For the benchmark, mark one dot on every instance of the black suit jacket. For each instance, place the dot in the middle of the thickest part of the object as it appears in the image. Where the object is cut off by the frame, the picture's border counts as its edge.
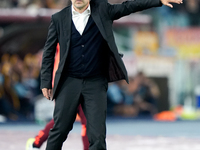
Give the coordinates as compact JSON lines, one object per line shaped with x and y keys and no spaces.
{"x":103,"y":15}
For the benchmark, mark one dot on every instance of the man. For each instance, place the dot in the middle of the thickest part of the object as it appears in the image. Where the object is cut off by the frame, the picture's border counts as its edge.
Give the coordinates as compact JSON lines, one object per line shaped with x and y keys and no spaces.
{"x":89,"y":59}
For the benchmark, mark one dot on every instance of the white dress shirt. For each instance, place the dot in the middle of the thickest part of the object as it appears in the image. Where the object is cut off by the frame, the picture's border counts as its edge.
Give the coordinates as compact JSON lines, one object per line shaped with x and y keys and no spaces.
{"x":80,"y":19}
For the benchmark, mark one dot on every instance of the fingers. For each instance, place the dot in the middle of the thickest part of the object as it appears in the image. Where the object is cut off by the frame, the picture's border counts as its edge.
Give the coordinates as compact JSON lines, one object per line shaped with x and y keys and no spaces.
{"x":180,"y":1}
{"x":169,"y":5}
{"x":47,"y":93}
{"x":167,"y":2}
{"x":50,"y":93}
{"x":177,"y":1}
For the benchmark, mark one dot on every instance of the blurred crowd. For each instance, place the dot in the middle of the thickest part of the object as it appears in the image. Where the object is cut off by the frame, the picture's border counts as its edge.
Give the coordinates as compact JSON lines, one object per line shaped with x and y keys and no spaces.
{"x":19,"y":84}
{"x":19,"y":88}
{"x":139,"y":97}
{"x":53,"y":4}
{"x":19,"y":77}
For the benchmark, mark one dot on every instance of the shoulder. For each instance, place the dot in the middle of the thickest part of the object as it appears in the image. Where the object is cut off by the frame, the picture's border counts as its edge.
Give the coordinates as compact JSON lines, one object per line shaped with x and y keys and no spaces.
{"x":61,"y":13}
{"x":98,"y":2}
{"x":99,"y":5}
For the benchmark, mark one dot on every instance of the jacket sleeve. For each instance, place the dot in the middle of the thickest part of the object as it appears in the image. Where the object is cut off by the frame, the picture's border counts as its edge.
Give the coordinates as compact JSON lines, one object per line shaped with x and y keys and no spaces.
{"x":117,"y":11}
{"x":48,"y":56}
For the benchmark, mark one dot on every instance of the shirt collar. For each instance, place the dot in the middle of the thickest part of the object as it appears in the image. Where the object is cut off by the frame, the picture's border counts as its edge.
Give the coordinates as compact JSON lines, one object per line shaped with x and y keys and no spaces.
{"x":87,"y":11}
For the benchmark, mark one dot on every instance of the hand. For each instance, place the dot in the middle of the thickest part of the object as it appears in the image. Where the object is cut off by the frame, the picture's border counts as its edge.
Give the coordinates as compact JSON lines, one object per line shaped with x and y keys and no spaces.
{"x":167,"y":2}
{"x":47,"y":93}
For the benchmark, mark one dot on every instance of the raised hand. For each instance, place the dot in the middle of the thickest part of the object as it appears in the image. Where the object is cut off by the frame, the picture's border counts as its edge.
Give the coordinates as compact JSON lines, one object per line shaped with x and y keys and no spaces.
{"x":168,"y":2}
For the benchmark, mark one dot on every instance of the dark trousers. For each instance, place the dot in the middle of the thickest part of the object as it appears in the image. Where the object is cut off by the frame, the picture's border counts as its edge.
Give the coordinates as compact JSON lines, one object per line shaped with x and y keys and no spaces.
{"x":44,"y":133}
{"x":91,"y":93}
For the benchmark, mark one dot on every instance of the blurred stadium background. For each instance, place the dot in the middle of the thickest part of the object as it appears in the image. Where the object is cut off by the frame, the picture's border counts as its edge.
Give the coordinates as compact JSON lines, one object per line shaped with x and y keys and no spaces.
{"x":161,"y":50}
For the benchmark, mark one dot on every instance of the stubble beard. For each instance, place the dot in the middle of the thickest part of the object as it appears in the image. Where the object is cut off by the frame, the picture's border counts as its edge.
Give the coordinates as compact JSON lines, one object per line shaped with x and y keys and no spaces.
{"x":80,"y":6}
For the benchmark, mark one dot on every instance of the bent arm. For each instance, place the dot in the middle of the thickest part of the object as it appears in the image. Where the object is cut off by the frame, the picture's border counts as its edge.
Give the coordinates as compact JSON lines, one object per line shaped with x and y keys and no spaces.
{"x":48,"y":57}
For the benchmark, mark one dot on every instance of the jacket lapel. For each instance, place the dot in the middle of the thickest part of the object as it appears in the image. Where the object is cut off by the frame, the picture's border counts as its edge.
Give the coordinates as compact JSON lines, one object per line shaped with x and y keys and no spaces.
{"x":67,"y":18}
{"x":66,"y":31}
{"x":66,"y":23}
{"x":97,"y":19}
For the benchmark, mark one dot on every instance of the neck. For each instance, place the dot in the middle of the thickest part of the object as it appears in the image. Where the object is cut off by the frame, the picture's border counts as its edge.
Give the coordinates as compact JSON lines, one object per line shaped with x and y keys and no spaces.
{"x":81,"y":10}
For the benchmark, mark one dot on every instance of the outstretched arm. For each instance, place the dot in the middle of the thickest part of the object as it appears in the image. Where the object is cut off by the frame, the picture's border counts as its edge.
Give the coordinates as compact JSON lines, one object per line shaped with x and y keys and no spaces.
{"x":117,"y":11}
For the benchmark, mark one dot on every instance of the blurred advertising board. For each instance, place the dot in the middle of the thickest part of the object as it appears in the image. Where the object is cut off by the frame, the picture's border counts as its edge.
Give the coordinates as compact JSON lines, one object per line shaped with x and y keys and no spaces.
{"x":186,"y":41}
{"x":151,"y":65}
{"x":146,"y":43}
